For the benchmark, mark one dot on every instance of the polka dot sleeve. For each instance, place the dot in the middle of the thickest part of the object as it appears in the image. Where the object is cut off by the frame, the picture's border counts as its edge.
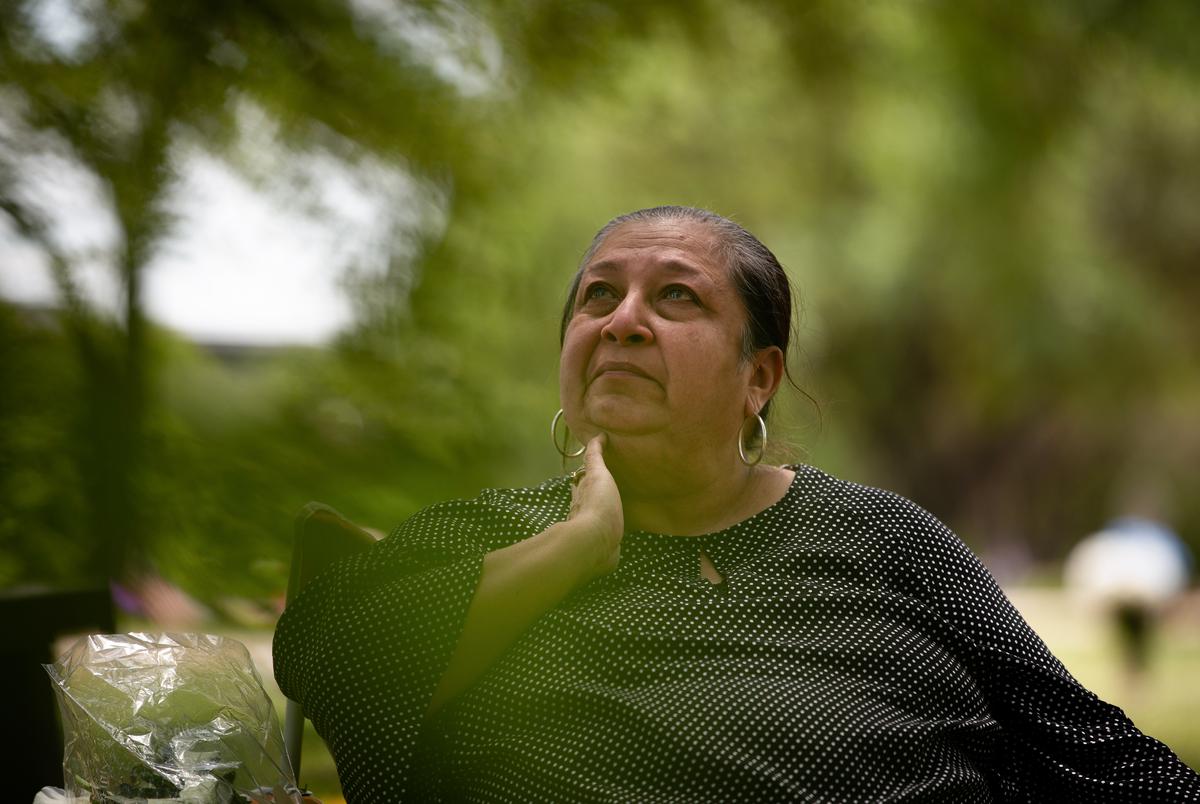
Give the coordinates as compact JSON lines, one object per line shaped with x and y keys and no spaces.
{"x":364,"y":646}
{"x":1059,"y":738}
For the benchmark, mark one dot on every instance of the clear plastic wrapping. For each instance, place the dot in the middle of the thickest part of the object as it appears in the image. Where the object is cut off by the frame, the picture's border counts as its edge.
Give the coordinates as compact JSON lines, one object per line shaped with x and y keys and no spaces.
{"x":168,"y":717}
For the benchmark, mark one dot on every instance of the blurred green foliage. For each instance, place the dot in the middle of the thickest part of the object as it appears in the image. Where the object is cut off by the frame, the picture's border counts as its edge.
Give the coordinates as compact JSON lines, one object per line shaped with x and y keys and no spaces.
{"x":988,"y":210}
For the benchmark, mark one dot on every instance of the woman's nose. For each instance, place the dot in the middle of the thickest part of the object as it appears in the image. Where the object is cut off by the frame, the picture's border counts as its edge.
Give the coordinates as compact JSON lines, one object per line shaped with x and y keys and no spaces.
{"x":627,"y":325}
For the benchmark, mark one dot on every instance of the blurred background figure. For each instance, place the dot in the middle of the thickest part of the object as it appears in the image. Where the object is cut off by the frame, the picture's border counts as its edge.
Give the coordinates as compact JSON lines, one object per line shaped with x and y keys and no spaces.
{"x":1134,"y":569}
{"x":152,"y":597}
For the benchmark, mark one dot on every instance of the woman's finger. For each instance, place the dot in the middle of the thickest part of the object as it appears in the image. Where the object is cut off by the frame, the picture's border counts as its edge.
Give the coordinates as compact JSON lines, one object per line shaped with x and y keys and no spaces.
{"x":593,"y":457}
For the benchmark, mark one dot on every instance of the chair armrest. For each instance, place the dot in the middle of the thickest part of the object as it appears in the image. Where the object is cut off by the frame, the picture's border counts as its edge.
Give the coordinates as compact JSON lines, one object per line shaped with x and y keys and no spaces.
{"x":321,"y":537}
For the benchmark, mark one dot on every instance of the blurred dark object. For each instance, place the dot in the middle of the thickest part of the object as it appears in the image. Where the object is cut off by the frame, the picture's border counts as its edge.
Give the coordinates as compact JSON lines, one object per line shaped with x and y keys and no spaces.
{"x":322,"y":536}
{"x":1134,"y":568}
{"x":34,"y":619}
{"x":1134,"y":623}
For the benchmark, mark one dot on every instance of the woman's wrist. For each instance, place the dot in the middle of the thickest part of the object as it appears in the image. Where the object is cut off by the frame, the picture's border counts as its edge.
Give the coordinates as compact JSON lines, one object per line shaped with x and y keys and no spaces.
{"x":577,"y":548}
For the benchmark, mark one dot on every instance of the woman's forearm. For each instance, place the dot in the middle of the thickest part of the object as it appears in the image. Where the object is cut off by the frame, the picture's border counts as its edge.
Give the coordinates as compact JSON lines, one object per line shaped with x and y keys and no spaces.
{"x":518,"y":584}
{"x":523,"y":581}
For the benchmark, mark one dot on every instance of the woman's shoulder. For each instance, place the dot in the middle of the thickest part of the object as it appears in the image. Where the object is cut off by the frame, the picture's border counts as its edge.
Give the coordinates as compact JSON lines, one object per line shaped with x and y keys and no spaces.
{"x":541,"y":505}
{"x":509,"y":511}
{"x":882,"y":512}
{"x":930,"y":559}
{"x":851,"y":496}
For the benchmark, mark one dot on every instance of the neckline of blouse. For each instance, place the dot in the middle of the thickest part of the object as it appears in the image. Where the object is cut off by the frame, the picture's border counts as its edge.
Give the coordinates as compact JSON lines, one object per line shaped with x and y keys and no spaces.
{"x":793,"y":489}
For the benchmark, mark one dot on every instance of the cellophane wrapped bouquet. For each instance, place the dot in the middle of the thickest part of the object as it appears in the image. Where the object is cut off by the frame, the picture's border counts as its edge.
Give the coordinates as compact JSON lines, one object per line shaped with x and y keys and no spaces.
{"x":168,"y":717}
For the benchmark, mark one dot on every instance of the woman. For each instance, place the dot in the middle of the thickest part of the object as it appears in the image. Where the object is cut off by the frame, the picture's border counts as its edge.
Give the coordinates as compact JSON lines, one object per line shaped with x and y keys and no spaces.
{"x":677,"y":621}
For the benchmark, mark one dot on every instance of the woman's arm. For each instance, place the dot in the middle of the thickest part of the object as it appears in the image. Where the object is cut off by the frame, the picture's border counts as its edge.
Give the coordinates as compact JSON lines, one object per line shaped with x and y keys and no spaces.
{"x":1059,"y":741}
{"x":521,"y":582}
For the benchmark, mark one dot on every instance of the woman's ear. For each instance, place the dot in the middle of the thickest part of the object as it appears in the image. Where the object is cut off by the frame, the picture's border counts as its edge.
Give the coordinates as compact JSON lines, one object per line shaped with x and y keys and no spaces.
{"x":766,"y":372}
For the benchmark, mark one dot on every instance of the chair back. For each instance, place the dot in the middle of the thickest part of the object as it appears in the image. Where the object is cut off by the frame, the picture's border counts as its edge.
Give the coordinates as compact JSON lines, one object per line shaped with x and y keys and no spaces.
{"x":321,"y":536}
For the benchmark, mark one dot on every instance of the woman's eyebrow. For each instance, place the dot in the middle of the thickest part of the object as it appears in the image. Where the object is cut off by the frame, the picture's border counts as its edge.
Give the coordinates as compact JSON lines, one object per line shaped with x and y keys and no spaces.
{"x":683,"y":269}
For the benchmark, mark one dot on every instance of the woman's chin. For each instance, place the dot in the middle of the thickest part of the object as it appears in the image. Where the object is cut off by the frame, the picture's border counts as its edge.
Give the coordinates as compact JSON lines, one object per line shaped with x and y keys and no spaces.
{"x":620,"y":422}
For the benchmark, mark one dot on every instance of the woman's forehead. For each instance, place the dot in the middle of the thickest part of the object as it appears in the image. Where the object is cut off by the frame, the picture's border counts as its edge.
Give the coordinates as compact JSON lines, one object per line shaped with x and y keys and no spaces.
{"x":676,"y":246}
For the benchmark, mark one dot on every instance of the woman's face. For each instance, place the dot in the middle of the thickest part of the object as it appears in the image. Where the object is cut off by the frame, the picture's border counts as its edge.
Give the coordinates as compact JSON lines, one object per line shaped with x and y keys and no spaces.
{"x":654,"y":344}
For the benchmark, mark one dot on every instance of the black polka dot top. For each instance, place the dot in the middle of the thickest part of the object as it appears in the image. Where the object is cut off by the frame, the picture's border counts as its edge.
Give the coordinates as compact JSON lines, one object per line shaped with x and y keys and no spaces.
{"x":856,"y":650}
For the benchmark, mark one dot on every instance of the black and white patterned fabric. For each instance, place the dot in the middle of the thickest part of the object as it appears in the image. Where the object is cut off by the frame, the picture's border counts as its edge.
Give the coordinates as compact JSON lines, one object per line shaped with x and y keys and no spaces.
{"x":855,"y":651}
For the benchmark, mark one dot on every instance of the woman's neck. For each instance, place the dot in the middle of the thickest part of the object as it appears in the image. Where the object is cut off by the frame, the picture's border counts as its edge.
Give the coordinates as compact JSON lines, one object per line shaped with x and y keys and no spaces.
{"x":690,"y":495}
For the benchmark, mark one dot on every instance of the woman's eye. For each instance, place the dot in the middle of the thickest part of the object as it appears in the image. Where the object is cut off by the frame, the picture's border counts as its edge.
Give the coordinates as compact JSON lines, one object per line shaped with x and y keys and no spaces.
{"x":678,"y":293}
{"x":598,"y":292}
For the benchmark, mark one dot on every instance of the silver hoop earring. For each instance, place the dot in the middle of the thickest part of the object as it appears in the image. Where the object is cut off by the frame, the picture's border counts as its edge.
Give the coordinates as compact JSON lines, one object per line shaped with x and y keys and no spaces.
{"x":554,"y":436}
{"x":762,"y":445}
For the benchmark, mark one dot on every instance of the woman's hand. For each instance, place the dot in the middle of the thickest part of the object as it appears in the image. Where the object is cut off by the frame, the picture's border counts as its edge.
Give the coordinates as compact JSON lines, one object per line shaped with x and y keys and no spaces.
{"x":596,"y":512}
